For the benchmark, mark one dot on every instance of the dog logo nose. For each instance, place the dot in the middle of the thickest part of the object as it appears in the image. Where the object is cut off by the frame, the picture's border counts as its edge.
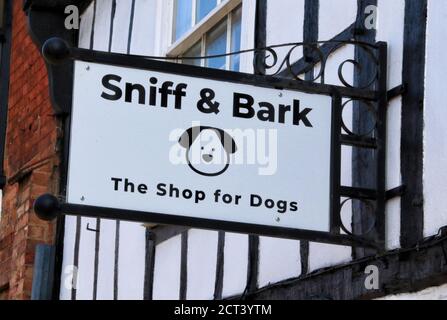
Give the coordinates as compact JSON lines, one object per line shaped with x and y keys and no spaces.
{"x":207,"y":157}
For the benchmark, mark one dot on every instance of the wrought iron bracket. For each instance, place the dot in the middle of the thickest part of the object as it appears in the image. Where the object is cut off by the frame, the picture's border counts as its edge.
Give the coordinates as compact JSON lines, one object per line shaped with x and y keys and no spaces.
{"x":270,"y":73}
{"x":48,"y":207}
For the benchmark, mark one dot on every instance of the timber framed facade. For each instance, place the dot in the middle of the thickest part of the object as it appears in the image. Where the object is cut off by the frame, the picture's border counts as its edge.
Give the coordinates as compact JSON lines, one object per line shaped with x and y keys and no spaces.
{"x":114,"y":259}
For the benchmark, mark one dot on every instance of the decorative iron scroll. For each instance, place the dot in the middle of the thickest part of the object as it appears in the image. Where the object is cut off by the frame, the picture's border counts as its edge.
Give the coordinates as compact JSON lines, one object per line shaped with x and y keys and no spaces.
{"x":314,"y":55}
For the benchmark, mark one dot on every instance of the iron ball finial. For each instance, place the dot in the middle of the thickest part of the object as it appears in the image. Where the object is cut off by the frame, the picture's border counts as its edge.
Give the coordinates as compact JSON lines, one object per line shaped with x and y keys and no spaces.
{"x":56,"y":50}
{"x":47,"y":207}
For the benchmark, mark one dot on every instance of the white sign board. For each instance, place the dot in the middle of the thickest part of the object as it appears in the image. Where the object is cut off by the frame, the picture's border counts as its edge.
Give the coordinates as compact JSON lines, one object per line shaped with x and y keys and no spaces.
{"x":186,"y":146}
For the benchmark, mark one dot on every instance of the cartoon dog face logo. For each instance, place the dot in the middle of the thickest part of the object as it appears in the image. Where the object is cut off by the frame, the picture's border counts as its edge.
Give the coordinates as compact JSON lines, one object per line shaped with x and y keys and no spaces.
{"x":208,"y":150}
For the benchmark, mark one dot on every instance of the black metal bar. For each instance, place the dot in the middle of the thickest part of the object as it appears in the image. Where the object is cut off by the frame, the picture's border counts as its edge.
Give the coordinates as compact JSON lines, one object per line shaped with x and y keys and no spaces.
{"x":381,"y":136}
{"x":218,"y":285}
{"x":144,"y":63}
{"x":208,"y":224}
{"x":358,"y":193}
{"x":395,"y":92}
{"x":335,"y":206}
{"x":150,"y":265}
{"x":130,"y":33}
{"x":60,"y":223}
{"x":370,"y":194}
{"x":96,"y":263}
{"x":116,"y":259}
{"x":396,"y":192}
{"x":184,"y":267}
{"x":91,"y":229}
{"x":358,"y":141}
{"x":253,"y":264}
{"x":76,"y":252}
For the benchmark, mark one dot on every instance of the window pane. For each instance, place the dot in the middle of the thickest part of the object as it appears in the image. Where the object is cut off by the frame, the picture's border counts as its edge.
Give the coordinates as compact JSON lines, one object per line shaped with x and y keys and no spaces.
{"x":193,"y":52}
{"x":203,"y":8}
{"x":216,"y":43}
{"x":236,"y":38}
{"x":183,"y":18}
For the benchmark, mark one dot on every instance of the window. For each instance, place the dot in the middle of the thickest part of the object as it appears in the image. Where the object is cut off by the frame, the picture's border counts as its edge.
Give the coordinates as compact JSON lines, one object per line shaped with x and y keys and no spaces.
{"x":190,"y":12}
{"x":220,"y":37}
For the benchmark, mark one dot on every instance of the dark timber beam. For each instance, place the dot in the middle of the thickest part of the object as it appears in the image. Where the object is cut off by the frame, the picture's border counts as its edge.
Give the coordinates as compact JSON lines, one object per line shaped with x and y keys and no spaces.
{"x":46,"y":19}
{"x":400,"y":271}
{"x":310,"y":34}
{"x":413,"y":77}
{"x":364,"y":170}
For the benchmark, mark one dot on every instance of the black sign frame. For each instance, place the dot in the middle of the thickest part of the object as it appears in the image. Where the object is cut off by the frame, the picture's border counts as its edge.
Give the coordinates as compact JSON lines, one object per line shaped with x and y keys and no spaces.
{"x":57,"y":52}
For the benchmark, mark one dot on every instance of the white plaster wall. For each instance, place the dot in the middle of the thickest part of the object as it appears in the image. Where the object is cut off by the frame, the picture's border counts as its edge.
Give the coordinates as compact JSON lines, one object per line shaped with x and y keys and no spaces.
{"x":144,"y":27}
{"x":163,"y":26}
{"x":236,"y":264}
{"x":433,"y":293}
{"x":121,"y":26}
{"x":167,"y":270}
{"x":435,"y":111}
{"x":335,"y":16}
{"x":202,"y":262}
{"x":247,"y":34}
{"x":106,"y":260}
{"x":279,"y":260}
{"x":279,"y":20}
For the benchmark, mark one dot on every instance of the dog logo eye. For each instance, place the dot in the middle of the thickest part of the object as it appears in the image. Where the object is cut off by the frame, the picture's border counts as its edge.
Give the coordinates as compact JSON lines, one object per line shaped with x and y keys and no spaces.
{"x":203,"y":148}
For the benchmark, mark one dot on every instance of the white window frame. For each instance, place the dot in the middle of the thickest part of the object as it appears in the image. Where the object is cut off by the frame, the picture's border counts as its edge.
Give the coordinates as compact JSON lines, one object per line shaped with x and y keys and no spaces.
{"x":198,"y":31}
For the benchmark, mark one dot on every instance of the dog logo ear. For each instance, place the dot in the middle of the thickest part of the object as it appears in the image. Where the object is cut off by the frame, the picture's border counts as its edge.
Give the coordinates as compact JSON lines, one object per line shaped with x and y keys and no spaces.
{"x":228,"y":142}
{"x":189,"y":136}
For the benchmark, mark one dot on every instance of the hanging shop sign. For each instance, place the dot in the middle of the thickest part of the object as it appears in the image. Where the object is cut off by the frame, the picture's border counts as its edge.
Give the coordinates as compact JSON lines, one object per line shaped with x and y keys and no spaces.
{"x":165,"y":143}
{"x":189,"y":146}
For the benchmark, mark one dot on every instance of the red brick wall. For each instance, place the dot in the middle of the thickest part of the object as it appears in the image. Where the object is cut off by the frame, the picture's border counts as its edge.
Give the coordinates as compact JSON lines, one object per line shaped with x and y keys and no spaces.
{"x":31,"y":162}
